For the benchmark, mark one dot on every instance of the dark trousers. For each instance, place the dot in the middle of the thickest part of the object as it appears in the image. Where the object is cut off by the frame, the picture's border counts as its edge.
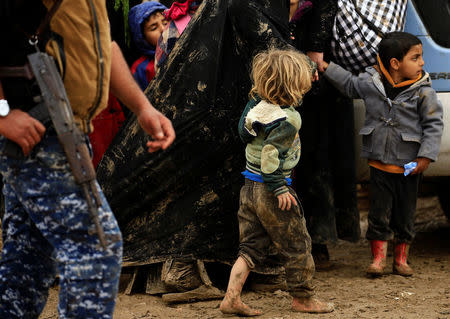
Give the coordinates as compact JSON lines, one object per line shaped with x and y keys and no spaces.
{"x":325,"y":177}
{"x":393,"y":200}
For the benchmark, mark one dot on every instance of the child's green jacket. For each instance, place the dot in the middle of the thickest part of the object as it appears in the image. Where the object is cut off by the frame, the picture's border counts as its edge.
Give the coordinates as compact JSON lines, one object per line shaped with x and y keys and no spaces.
{"x":273,"y":144}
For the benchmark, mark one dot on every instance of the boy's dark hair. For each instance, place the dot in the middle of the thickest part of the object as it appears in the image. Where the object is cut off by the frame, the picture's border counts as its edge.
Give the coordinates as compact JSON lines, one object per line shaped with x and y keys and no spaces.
{"x":148,"y":18}
{"x":396,"y":45}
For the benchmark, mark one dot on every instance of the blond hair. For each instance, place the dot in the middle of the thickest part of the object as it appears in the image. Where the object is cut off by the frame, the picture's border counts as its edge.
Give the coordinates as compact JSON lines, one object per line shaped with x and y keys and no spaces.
{"x":281,"y":76}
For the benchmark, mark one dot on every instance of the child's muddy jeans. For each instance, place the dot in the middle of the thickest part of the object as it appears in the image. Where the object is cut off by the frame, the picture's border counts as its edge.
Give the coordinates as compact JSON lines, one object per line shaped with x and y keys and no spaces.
{"x":265,"y":228}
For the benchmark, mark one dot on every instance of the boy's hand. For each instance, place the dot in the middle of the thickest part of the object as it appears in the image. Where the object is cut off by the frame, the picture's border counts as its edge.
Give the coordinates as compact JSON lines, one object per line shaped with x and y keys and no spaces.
{"x":318,"y":58}
{"x":422,"y":165}
{"x":285,"y":200}
{"x":324,"y":66}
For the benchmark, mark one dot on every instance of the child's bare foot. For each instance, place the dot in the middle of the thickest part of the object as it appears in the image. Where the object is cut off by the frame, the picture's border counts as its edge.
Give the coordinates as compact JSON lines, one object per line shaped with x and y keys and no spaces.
{"x":237,"y":307}
{"x":311,"y":305}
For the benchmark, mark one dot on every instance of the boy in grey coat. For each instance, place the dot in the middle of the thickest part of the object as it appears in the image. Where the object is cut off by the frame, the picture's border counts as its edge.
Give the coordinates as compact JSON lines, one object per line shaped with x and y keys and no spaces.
{"x":403,"y":124}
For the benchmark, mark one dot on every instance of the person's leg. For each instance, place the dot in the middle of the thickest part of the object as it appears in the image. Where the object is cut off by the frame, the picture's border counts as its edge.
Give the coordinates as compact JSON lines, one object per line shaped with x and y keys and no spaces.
{"x":402,"y":221}
{"x":381,"y":203}
{"x":26,"y":269}
{"x":54,"y":202}
{"x":287,"y":230}
{"x":252,"y":240}
{"x":379,"y":232}
{"x":343,"y":164}
{"x":314,"y":171}
{"x":232,"y":303}
{"x":89,"y":275}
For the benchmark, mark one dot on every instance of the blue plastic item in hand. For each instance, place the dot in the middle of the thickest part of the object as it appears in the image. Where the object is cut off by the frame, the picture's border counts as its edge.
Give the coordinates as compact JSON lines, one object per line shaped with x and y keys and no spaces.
{"x":409,"y":167}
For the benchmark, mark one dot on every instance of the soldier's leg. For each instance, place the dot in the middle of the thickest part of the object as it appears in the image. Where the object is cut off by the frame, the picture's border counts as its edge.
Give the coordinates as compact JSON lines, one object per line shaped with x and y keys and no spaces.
{"x":88,"y":274}
{"x":26,"y":269}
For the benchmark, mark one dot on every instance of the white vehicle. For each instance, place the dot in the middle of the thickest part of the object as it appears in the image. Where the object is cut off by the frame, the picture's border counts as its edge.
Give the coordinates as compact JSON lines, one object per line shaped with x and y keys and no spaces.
{"x":430,"y":22}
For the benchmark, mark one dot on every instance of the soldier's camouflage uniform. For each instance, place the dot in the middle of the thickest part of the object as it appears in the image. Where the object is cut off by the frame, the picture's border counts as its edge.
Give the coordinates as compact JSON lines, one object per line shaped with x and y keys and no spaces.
{"x":47,"y":230}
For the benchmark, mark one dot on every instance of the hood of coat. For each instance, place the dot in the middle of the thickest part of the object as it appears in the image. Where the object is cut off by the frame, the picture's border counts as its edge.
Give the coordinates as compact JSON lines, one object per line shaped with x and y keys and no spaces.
{"x":137,"y":15}
{"x":425,"y":80}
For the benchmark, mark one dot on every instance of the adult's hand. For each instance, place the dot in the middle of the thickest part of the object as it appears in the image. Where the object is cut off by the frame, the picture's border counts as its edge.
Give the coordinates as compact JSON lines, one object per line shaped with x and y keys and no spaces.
{"x":318,"y":58}
{"x":125,"y":88}
{"x":422,"y":165}
{"x":158,"y":127}
{"x":22,"y":129}
{"x":285,"y":201}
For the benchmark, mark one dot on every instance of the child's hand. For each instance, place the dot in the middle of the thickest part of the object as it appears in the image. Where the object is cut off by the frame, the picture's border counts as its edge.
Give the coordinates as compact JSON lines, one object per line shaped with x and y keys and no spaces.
{"x":317,"y":57}
{"x":315,"y":76}
{"x":285,"y":200}
{"x":422,"y":165}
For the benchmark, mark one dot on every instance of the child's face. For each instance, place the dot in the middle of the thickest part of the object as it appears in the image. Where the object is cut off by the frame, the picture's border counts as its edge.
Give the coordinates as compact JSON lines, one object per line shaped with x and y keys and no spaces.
{"x":412,"y":63}
{"x":154,"y":27}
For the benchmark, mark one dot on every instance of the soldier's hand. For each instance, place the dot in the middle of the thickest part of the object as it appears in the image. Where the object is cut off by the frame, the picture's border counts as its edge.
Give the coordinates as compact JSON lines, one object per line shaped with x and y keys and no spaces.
{"x":22,"y":129}
{"x":158,"y":127}
{"x":285,"y":201}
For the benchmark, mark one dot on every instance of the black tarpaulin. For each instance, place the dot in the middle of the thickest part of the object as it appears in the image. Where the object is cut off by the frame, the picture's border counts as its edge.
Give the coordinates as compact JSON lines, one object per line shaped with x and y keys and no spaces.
{"x":183,"y":202}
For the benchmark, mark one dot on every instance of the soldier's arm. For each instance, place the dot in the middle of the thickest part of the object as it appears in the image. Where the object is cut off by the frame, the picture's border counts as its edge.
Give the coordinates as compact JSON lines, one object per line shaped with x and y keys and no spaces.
{"x":125,"y":88}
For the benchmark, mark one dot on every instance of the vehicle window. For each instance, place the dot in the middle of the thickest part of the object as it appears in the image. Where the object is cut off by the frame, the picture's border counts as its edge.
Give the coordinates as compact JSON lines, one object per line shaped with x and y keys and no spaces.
{"x":435,"y":15}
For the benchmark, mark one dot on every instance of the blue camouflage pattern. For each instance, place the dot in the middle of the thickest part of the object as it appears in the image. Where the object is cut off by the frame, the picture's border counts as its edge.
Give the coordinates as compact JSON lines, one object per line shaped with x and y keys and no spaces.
{"x":47,"y":230}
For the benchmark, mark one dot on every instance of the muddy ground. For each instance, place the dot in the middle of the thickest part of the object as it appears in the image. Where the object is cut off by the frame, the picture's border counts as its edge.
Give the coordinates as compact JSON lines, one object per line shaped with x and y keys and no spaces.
{"x":425,"y":295}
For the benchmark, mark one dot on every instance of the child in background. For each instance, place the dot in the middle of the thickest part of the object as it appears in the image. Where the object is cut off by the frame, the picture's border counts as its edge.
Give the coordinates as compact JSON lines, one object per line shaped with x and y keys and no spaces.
{"x":269,"y":214}
{"x":178,"y":17}
{"x":403,"y":124}
{"x":147,"y":23}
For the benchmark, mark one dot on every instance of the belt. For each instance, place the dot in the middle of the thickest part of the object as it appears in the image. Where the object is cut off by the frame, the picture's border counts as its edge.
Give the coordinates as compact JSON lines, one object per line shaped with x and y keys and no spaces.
{"x":16,"y":72}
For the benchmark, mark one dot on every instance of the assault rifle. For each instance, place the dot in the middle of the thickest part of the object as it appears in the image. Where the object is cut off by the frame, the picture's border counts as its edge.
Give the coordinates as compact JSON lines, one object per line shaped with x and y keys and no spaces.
{"x":70,"y":137}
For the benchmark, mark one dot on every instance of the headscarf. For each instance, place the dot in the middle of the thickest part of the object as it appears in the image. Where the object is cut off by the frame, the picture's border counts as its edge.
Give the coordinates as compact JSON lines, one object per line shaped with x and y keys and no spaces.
{"x":137,"y":15}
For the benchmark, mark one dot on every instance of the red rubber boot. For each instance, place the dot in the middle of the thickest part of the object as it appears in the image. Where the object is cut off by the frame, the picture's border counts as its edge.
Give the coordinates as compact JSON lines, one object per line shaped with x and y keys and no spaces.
{"x":379,"y":251}
{"x":401,"y":266}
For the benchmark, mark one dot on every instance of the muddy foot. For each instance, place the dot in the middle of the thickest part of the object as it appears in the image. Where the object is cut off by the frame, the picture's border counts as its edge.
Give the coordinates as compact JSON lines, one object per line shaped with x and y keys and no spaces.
{"x":238,"y":308}
{"x":311,"y":305}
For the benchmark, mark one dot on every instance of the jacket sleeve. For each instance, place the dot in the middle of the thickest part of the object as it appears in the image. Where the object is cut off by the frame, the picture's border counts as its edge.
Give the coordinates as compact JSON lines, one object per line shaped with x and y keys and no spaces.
{"x":347,"y":83}
{"x":273,"y":155}
{"x":431,"y":113}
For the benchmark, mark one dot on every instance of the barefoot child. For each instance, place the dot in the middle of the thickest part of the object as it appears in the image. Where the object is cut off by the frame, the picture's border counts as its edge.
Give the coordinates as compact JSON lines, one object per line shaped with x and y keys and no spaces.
{"x":403,"y":124}
{"x":269,"y":214}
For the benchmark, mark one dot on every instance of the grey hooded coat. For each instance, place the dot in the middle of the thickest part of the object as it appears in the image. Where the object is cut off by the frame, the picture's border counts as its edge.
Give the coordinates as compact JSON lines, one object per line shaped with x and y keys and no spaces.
{"x":395,"y":131}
